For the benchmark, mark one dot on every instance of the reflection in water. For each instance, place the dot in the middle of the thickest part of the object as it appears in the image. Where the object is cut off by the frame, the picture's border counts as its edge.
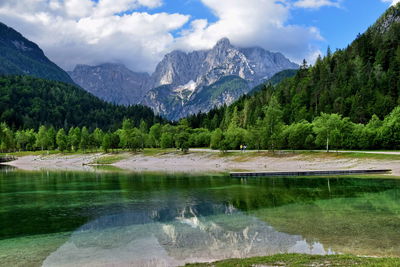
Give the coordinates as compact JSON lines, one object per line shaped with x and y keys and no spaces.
{"x":63,"y":217}
{"x":6,"y":168}
{"x":147,"y":239}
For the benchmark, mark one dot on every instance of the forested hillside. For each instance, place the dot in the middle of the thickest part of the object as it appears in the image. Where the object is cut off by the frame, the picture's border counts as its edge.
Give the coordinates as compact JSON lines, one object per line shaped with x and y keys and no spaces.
{"x":357,"y":82}
{"x":19,"y":56}
{"x":27,"y":102}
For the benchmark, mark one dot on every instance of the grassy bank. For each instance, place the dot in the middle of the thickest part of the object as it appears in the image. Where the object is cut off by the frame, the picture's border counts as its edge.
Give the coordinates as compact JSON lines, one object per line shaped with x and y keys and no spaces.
{"x":304,"y":260}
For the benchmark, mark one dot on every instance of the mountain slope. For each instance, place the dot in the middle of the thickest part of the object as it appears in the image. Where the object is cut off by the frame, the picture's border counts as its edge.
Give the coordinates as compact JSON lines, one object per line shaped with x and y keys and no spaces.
{"x":176,"y":102}
{"x":27,"y":102}
{"x":356,"y":82}
{"x":20,"y":56}
{"x":208,"y":66}
{"x":275,"y":80}
{"x":113,"y":83}
{"x":225,"y":91}
{"x":175,"y":88}
{"x":189,"y":74}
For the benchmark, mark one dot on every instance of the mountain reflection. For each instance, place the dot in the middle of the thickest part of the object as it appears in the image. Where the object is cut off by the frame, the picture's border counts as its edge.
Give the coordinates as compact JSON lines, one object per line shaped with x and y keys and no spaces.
{"x":175,"y":236}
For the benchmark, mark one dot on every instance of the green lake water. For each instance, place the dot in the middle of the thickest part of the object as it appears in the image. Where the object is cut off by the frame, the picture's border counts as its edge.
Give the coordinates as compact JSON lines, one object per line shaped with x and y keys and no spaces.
{"x":131,"y":219}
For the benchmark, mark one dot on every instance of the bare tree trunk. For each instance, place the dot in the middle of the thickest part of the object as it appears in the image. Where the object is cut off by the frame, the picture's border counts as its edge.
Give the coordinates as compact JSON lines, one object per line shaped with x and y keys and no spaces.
{"x":327,"y":144}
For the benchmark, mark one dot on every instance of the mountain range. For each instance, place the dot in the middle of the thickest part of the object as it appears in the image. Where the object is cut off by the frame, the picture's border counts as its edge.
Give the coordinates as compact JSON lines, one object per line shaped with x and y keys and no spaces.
{"x":185,"y":83}
{"x":112,"y":82}
{"x":182,"y":83}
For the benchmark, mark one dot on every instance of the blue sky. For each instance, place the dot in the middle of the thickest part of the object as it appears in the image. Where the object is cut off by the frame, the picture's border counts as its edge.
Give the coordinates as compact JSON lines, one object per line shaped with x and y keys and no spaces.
{"x":138,"y":33}
{"x":338,"y":25}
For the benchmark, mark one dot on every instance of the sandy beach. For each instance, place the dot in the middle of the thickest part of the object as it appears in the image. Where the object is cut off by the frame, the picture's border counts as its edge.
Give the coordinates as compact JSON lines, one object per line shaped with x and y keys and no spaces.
{"x":206,"y":161}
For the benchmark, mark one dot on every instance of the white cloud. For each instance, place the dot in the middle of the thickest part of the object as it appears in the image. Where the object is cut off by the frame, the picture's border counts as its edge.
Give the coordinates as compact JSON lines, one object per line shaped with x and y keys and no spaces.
{"x":393,"y":2}
{"x":252,"y":23}
{"x":316,"y":3}
{"x":82,"y":32}
{"x":85,"y":32}
{"x":77,"y":8}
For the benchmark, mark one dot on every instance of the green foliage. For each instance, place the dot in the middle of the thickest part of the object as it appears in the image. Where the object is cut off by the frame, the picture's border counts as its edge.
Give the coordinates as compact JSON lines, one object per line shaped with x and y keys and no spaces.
{"x":7,"y":139}
{"x":389,"y":133}
{"x":131,"y":138}
{"x":300,"y":135}
{"x":143,"y":127}
{"x":135,"y":140}
{"x":200,"y":137}
{"x":25,"y":139}
{"x":255,"y":136}
{"x":328,"y":128}
{"x":234,"y":137}
{"x":182,"y":140}
{"x":276,"y":79}
{"x":27,"y":102}
{"x":114,"y":141}
{"x":51,"y":135}
{"x":216,"y":139}
{"x":74,"y":137}
{"x":42,"y":139}
{"x":106,"y":143}
{"x":97,"y":137}
{"x":62,"y":140}
{"x":155,"y":135}
{"x":110,"y":141}
{"x":273,"y":123}
{"x":85,"y":139}
{"x":166,"y":140}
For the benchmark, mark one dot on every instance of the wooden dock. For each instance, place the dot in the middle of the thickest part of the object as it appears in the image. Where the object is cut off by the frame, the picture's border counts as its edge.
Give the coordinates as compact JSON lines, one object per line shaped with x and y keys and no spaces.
{"x":307,"y":173}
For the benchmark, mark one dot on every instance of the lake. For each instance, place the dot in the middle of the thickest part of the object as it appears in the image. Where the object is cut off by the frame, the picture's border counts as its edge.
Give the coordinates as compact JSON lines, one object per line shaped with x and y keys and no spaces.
{"x":150,"y":219}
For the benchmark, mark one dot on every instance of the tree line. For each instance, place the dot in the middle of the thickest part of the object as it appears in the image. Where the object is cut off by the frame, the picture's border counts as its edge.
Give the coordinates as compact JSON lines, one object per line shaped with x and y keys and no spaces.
{"x":327,"y":131}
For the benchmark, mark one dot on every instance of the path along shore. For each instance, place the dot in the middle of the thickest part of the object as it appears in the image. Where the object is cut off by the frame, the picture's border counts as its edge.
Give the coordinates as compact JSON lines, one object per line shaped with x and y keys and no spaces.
{"x":204,"y":160}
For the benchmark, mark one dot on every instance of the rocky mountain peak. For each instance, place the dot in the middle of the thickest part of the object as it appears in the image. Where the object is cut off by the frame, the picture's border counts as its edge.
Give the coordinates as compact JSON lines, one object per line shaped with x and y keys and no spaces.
{"x":186,"y":83}
{"x":223,"y":43}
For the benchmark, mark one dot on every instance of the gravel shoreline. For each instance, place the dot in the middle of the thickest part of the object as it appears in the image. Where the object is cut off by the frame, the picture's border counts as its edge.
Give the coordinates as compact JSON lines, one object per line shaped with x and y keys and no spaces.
{"x":199,"y":161}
